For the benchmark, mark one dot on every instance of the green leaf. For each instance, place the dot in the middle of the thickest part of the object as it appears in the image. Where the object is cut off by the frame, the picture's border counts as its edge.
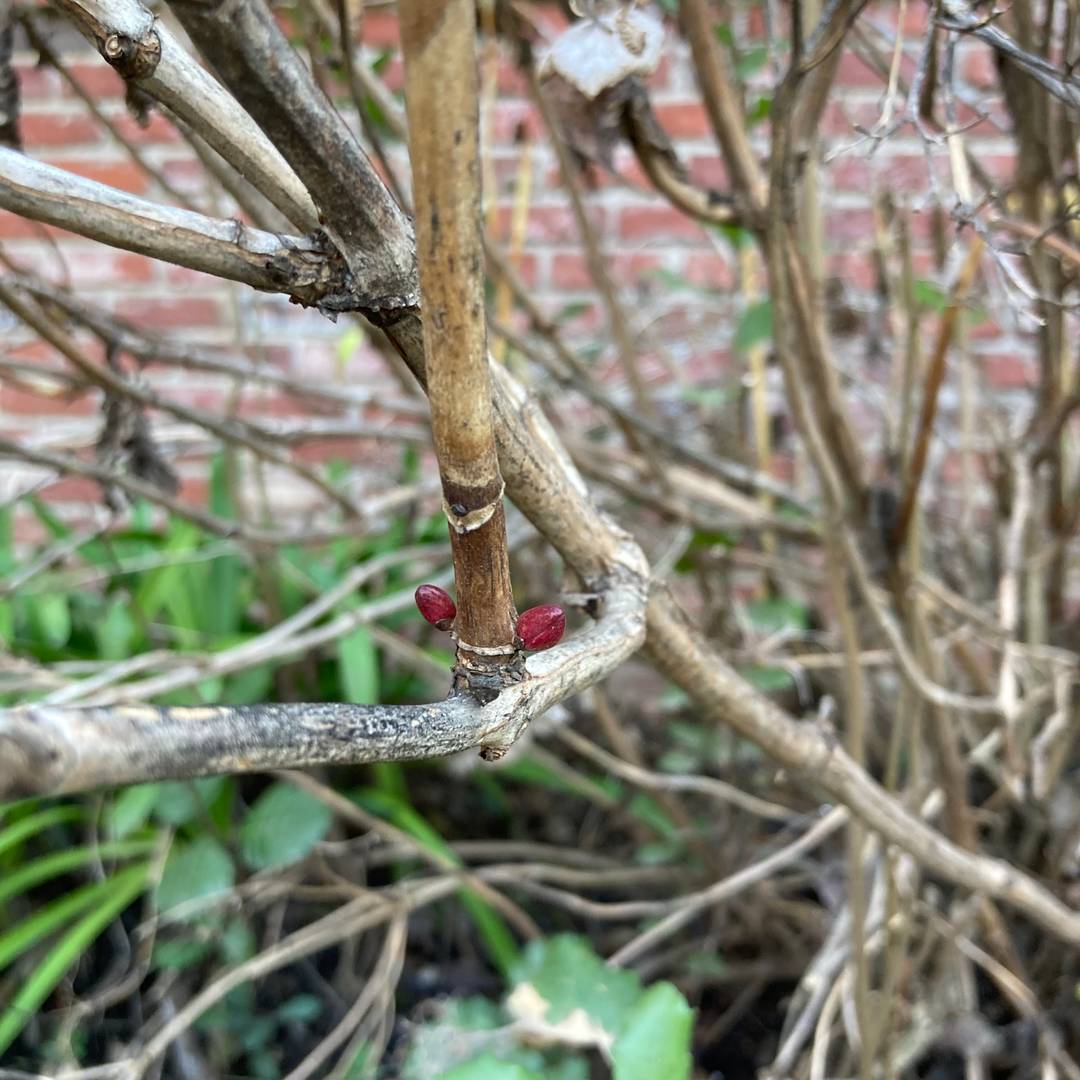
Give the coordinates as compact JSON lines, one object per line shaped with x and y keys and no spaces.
{"x":670,"y":279}
{"x":7,"y":624}
{"x":349,"y":344}
{"x":116,"y":632}
{"x":132,"y":808}
{"x":358,"y":667}
{"x":250,"y":686}
{"x":929,"y":295}
{"x":7,"y":538}
{"x":45,"y":514}
{"x":167,"y":588}
{"x":193,"y":871}
{"x":222,"y":605}
{"x":759,"y":111}
{"x":489,"y":1067}
{"x":770,"y":680}
{"x":180,"y":801}
{"x":573,"y":310}
{"x":176,"y":954}
{"x":284,"y":825}
{"x":736,"y":235}
{"x":125,"y":887}
{"x":751,"y":61}
{"x":776,"y":615}
{"x":646,"y":809}
{"x":301,"y":1009}
{"x":50,"y":616}
{"x":568,"y":975}
{"x":755,"y":326}
{"x":236,"y":942}
{"x":655,"y":1038}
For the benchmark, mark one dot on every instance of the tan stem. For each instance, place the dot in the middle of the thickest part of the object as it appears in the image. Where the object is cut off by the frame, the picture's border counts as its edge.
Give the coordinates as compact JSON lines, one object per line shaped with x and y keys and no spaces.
{"x":441,"y":94}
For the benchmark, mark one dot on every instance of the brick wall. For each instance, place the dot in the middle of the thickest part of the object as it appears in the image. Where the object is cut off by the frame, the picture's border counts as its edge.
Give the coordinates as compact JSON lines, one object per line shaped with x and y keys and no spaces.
{"x":677,"y":278}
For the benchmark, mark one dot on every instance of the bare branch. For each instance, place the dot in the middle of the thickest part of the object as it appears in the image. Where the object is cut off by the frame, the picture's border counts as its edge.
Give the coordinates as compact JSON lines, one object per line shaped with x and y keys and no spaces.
{"x":244,"y":43}
{"x":297,"y":265}
{"x":143,"y":51}
{"x":441,"y":97}
{"x":958,"y":15}
{"x":49,"y":750}
{"x":685,"y":658}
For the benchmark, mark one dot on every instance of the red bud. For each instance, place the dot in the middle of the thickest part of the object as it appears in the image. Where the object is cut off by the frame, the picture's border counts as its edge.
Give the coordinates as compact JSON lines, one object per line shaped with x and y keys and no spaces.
{"x":541,"y":627}
{"x":436,"y":606}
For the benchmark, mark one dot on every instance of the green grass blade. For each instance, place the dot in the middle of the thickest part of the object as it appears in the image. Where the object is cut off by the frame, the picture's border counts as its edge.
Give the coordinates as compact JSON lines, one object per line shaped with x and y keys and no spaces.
{"x":29,"y":931}
{"x":126,"y":886}
{"x":49,"y":866}
{"x":35,"y":823}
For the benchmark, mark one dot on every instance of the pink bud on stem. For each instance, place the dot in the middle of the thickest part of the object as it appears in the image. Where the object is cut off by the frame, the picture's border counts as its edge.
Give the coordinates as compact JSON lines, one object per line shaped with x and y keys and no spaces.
{"x":436,"y":606}
{"x":541,"y":627}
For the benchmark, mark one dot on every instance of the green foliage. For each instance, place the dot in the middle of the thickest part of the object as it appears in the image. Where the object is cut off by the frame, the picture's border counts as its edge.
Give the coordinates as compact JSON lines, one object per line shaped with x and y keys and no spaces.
{"x":777,"y":614}
{"x":755,"y":326}
{"x":121,"y":890}
{"x":562,"y":989}
{"x":194,"y":871}
{"x":178,"y":588}
{"x":283,"y":826}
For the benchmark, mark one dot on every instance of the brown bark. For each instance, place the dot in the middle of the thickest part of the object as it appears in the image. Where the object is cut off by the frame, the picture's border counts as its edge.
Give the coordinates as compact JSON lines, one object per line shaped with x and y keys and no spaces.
{"x":441,"y":90}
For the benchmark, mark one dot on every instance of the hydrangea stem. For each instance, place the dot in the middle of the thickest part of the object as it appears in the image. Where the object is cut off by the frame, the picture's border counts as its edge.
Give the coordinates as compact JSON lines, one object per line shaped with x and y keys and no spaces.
{"x":439,"y":40}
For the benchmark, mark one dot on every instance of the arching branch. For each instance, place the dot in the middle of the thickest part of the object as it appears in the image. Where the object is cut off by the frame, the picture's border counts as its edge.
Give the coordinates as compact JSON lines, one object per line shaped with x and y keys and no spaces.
{"x":49,"y":750}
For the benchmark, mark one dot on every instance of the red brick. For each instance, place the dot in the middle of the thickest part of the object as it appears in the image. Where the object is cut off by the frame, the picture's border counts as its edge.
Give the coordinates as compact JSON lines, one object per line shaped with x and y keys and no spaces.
{"x":74,"y":489}
{"x":174,"y":311}
{"x":57,"y":129}
{"x":23,"y":401}
{"x":850,"y":172}
{"x":657,"y":223}
{"x":570,"y":271}
{"x":185,"y":174}
{"x":105,"y":268}
{"x":508,"y":117}
{"x":702,"y":366}
{"x":977,"y":66}
{"x":194,"y":490}
{"x":379,"y":28}
{"x":511,"y":82}
{"x":1007,"y":371}
{"x":125,"y":175}
{"x":549,"y":224}
{"x":709,"y":171}
{"x":157,"y":130}
{"x":33,"y":352}
{"x":684,"y":120}
{"x":37,"y":82}
{"x":709,"y":271}
{"x":393,"y":74}
{"x":854,"y":72}
{"x":13,"y":227}
{"x":849,"y":227}
{"x":630,"y":268}
{"x":528,"y":266}
{"x":661,"y":77}
{"x":96,"y":78}
{"x":180,"y":277}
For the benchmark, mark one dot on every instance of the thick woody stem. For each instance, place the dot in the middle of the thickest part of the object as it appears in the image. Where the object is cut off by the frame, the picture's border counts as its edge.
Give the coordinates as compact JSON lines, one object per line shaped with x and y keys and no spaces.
{"x":438,"y":39}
